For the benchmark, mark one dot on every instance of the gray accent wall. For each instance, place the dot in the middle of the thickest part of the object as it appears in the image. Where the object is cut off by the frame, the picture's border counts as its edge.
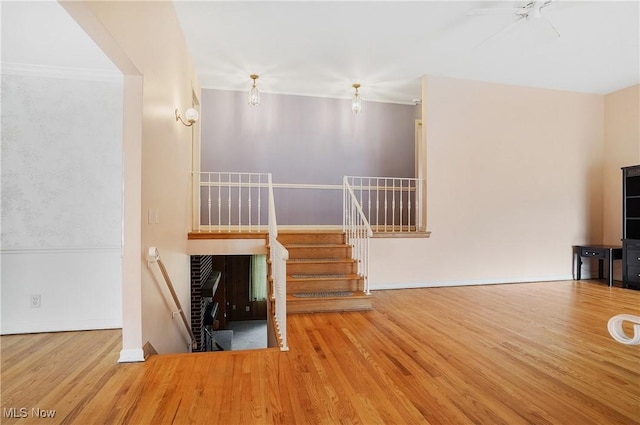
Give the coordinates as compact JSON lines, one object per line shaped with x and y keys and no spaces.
{"x":302,"y":139}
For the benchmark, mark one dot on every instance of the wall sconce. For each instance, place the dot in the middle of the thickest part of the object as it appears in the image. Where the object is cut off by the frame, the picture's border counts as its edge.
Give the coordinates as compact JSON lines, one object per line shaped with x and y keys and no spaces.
{"x":191,"y":115}
{"x":356,"y":101}
{"x":254,"y":94}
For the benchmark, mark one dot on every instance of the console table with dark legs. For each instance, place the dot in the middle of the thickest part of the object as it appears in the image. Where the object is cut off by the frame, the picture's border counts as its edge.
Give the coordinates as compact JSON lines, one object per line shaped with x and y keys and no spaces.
{"x":603,"y":253}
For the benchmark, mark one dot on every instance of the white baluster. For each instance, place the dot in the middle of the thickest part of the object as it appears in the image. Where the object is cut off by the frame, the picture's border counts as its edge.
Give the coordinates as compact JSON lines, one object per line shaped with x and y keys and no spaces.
{"x":229,"y":206}
{"x":401,"y":204}
{"x":209,"y":201}
{"x":377,"y":204}
{"x":249,"y":203}
{"x":259,"y":197}
{"x":239,"y":202}
{"x":393,"y":205}
{"x":385,"y":205}
{"x":409,"y":190}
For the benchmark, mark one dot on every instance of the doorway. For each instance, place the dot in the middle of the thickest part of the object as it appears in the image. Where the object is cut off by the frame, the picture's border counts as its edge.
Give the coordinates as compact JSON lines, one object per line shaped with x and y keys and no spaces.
{"x":241,"y":320}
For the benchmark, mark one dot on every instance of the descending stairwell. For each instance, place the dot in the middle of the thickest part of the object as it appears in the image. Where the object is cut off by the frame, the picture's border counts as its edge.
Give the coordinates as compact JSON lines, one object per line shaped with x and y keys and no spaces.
{"x":321,"y":276}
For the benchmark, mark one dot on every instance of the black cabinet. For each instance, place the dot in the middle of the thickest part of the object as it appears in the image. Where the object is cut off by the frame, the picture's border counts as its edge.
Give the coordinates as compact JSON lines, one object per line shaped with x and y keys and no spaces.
{"x":631,"y":226}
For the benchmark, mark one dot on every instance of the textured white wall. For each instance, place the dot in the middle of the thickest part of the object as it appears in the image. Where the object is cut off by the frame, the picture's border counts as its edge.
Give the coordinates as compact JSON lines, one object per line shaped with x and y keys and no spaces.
{"x":61,"y":203}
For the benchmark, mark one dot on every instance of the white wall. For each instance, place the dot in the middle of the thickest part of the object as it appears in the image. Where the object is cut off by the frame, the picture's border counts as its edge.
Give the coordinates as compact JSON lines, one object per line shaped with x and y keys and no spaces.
{"x":61,"y":202}
{"x":622,"y":148}
{"x":514,"y":180}
{"x":147,"y":35}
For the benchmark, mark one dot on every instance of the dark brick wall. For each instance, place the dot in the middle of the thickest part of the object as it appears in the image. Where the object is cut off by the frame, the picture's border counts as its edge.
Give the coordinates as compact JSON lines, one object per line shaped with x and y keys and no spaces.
{"x":201,"y":267}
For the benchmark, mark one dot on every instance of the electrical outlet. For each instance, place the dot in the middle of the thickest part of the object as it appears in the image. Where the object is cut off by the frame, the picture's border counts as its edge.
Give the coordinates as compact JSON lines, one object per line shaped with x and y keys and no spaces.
{"x":247,"y":308}
{"x":233,"y":307}
{"x":151,"y":217}
{"x":35,"y":301}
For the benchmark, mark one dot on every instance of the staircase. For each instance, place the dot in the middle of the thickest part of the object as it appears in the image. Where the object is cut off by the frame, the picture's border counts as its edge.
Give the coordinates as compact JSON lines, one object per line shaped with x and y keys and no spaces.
{"x":321,"y":276}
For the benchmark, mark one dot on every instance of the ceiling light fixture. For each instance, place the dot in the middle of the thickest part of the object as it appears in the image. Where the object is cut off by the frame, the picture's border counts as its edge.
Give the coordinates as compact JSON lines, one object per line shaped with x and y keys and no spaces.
{"x":254,"y":94}
{"x":191,"y":115}
{"x":356,"y":101}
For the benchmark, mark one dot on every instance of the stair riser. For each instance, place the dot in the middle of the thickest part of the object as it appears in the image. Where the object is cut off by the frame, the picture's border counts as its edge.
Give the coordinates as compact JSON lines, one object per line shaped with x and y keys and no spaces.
{"x":312,"y":305}
{"x":319,"y":238}
{"x":298,"y":287}
{"x":294,"y":267}
{"x":320,"y":252}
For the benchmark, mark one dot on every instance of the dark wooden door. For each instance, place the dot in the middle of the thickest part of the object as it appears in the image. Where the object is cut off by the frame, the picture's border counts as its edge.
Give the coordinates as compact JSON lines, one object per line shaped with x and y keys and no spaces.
{"x":238,"y":276}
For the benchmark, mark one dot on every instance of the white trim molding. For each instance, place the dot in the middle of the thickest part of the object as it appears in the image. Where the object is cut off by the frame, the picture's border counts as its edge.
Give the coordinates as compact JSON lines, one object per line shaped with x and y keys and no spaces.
{"x":131,"y":356}
{"x":65,"y":250}
{"x":381,"y":286}
{"x":45,"y":71}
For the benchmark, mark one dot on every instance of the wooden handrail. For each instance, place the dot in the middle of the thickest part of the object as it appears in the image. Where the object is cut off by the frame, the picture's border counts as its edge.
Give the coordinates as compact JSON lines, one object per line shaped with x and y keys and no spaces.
{"x":154,"y":256}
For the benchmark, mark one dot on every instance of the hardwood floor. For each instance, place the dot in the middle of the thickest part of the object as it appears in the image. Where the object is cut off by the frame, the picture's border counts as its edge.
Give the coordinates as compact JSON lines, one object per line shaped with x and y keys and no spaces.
{"x":535,"y":353}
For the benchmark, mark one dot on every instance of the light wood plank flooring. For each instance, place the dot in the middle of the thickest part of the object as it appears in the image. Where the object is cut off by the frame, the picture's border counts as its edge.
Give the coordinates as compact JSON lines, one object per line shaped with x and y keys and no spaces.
{"x":535,"y":353}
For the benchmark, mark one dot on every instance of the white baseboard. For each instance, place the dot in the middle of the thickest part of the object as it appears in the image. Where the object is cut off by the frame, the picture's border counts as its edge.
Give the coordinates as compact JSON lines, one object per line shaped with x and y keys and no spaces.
{"x":131,"y":356}
{"x":381,"y":286}
{"x":13,"y":327}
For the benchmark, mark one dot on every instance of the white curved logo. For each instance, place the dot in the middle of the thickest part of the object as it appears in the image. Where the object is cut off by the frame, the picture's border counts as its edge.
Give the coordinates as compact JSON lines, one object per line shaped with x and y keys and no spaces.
{"x":617,"y":333}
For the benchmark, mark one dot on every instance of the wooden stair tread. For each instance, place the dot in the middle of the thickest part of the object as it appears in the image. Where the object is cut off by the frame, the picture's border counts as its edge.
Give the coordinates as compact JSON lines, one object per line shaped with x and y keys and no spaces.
{"x":320,"y":262}
{"x":358,"y":301}
{"x":316,"y":245}
{"x":302,"y":277}
{"x":355,"y":294}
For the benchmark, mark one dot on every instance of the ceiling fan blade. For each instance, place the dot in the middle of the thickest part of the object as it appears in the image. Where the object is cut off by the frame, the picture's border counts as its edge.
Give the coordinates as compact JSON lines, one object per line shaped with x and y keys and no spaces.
{"x":503,"y":31}
{"x":547,"y":3}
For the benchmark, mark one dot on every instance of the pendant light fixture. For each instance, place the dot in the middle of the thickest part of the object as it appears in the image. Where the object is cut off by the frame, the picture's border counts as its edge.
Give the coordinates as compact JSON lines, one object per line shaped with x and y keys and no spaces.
{"x":356,"y":101}
{"x":254,"y":94}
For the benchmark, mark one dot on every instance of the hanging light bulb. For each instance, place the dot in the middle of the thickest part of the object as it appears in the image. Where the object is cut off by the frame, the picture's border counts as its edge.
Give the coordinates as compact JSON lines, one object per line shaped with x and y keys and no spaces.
{"x":254,"y":94}
{"x":356,"y":101}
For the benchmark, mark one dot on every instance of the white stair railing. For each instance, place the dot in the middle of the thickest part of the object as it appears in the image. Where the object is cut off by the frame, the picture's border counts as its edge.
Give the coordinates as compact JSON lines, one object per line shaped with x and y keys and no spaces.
{"x":278,"y":256}
{"x":390,"y":204}
{"x":358,"y":232}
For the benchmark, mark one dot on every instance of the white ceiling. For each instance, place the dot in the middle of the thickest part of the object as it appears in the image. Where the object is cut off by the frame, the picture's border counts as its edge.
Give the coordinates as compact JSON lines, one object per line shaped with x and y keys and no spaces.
{"x":40,"y":36}
{"x":321,"y":48}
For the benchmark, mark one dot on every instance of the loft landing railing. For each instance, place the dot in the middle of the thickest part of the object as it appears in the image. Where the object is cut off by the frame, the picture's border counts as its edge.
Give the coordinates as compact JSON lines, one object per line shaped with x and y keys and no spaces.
{"x":278,"y":255}
{"x":154,"y":257}
{"x":358,"y":232}
{"x":232,"y":202}
{"x":390,"y":204}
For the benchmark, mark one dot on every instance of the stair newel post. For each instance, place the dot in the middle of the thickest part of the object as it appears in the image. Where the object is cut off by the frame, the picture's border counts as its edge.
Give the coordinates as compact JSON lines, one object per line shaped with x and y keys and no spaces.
{"x":366,"y":276}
